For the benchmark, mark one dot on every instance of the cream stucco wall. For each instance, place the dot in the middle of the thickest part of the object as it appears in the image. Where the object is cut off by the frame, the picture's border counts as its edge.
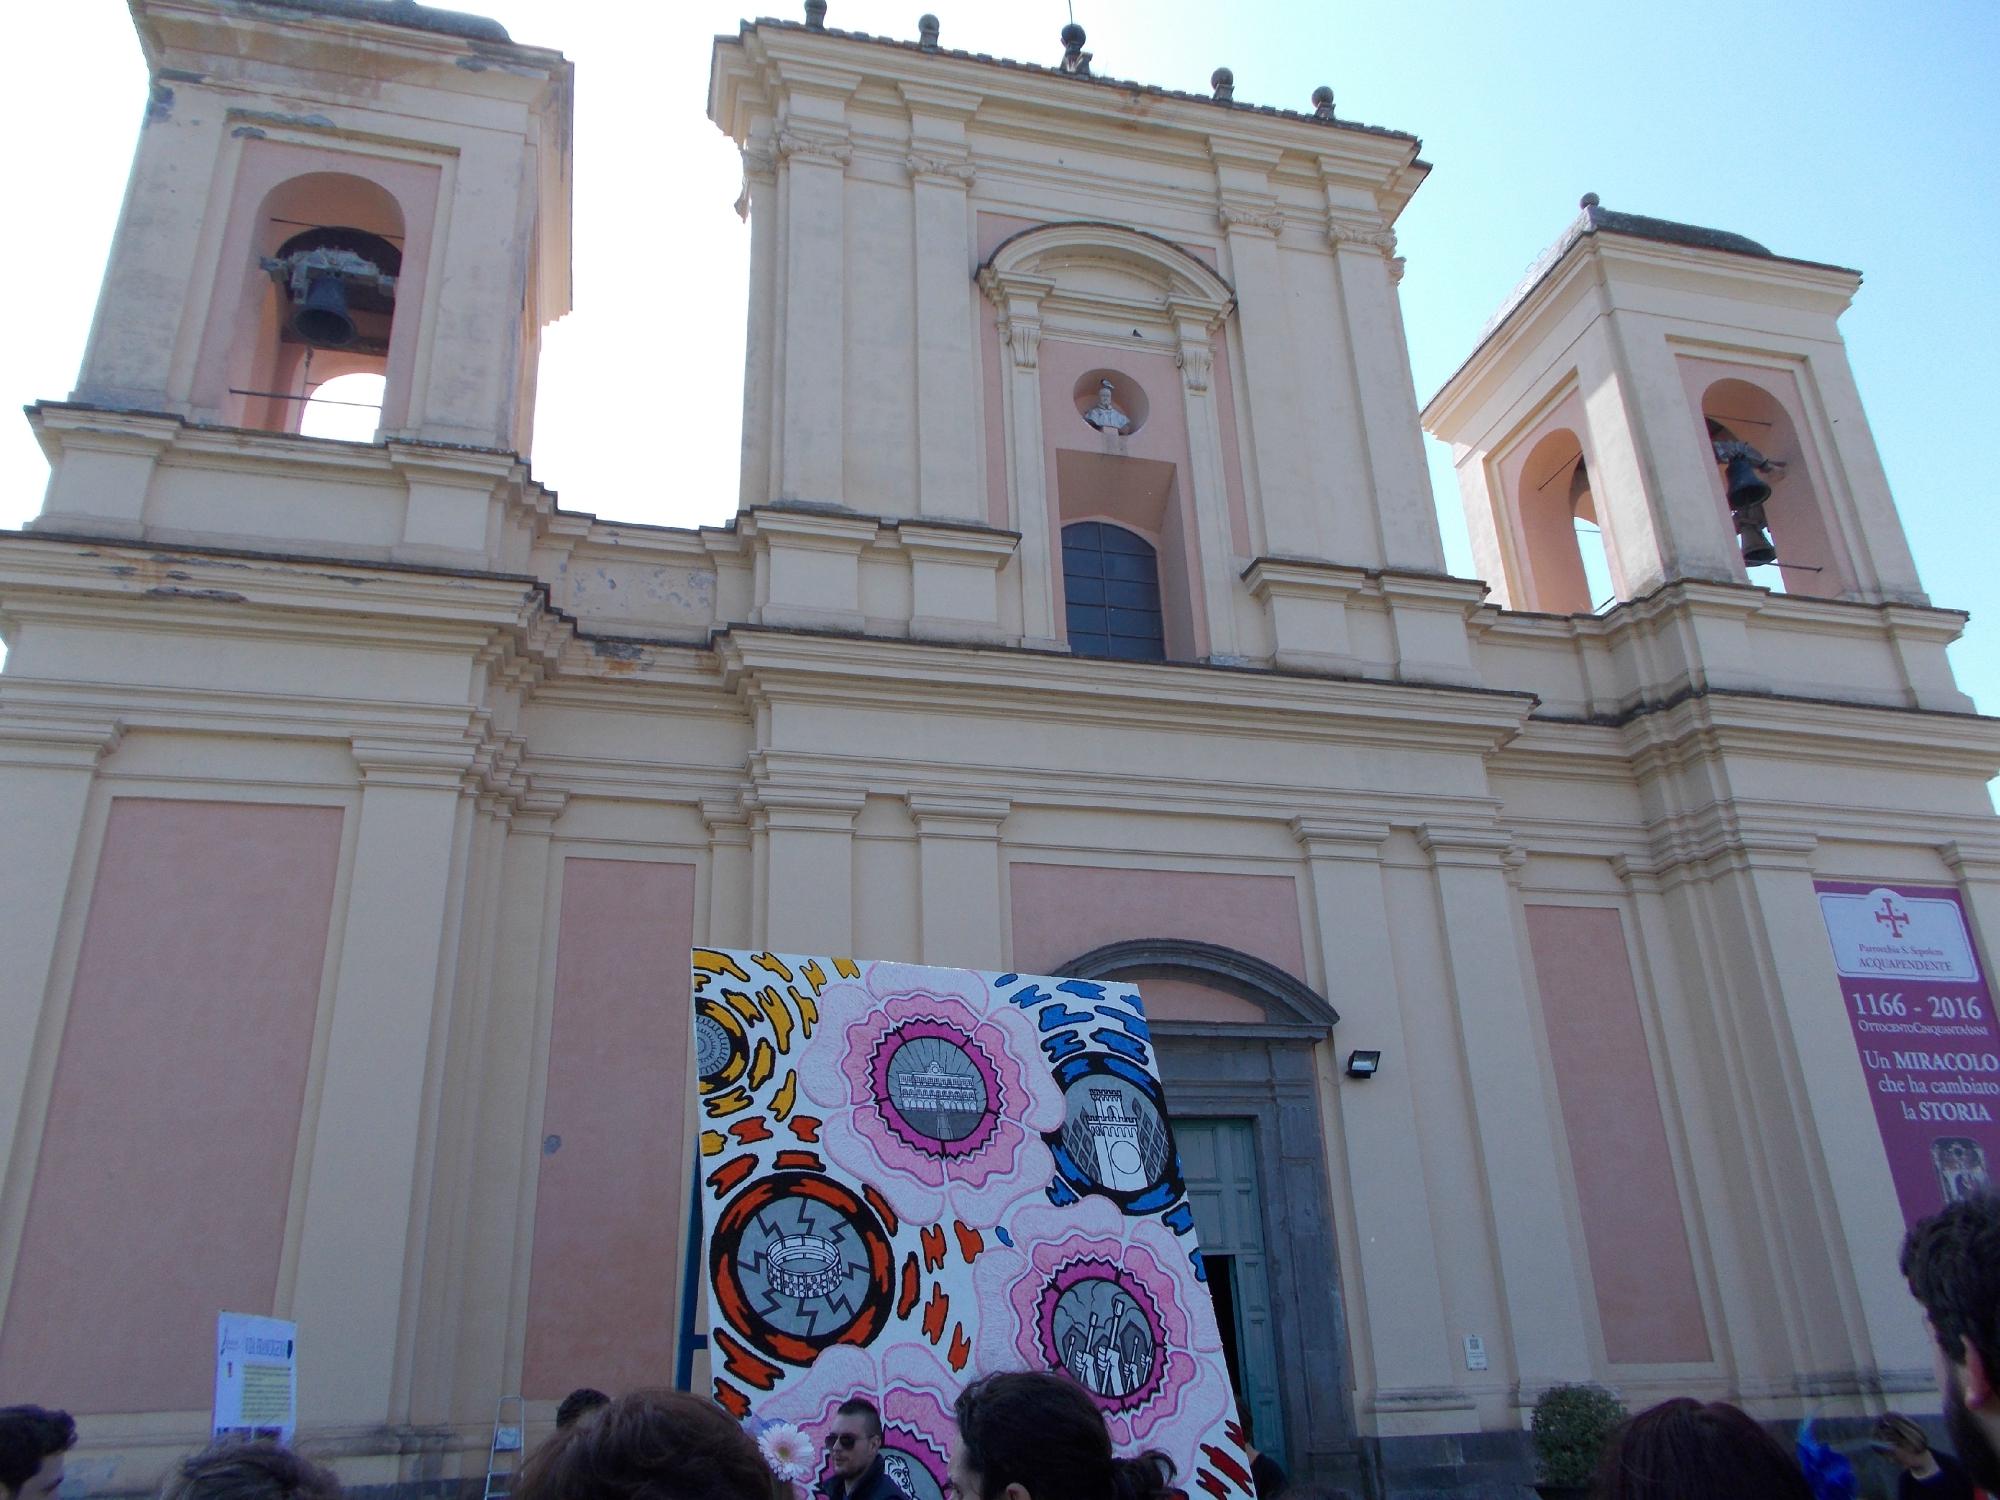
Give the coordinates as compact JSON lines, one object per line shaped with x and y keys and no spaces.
{"x":558,"y":746}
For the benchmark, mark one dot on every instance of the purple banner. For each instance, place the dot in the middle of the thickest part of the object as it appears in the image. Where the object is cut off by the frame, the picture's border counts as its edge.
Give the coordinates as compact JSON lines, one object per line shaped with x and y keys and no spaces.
{"x":1923,"y":1021}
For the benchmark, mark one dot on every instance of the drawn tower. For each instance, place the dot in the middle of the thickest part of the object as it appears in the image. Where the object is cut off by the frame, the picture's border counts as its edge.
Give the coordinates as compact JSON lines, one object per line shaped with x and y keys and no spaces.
{"x":1115,"y":1137}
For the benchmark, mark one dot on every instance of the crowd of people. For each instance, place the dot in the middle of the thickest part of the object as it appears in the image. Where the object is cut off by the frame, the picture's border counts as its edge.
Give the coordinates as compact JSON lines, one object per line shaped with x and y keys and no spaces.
{"x":1039,"y":1435}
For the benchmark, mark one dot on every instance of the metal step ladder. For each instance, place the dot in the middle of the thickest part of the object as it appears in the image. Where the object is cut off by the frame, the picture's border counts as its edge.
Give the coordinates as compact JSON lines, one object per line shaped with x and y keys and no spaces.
{"x":503,"y":1462}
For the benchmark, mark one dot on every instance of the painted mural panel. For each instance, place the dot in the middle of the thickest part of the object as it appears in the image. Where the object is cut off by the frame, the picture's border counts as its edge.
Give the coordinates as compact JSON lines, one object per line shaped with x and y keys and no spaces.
{"x":1923,"y":1021}
{"x":911,"y":1177}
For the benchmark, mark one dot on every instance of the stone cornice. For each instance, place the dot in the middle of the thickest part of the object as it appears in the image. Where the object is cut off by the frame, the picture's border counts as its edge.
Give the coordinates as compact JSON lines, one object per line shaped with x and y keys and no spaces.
{"x":765,"y":664}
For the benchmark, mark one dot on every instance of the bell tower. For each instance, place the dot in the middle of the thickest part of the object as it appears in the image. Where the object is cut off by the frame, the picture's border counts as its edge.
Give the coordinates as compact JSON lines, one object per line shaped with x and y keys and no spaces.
{"x":325,"y":187}
{"x":1684,"y":395}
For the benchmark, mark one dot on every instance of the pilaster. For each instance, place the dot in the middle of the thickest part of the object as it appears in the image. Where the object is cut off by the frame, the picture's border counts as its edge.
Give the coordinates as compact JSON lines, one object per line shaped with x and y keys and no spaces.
{"x":805,"y":865}
{"x":1019,"y":302}
{"x":807,"y":567}
{"x":812,"y":425}
{"x":1251,"y":224}
{"x":759,"y":204}
{"x":1541,"y":1282}
{"x":1428,"y":615}
{"x":355,"y":1245}
{"x":1406,"y":515}
{"x":1195,"y":353}
{"x":47,"y":767}
{"x":941,"y":173}
{"x":959,"y":869}
{"x":728,"y":923}
{"x":1307,"y":603}
{"x":955,"y":580}
{"x":1400,"y":1288}
{"x":100,"y":469}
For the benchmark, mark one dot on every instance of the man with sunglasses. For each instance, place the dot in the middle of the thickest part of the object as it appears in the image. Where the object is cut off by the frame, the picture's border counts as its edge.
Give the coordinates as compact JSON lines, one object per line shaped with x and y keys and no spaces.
{"x":854,"y":1449}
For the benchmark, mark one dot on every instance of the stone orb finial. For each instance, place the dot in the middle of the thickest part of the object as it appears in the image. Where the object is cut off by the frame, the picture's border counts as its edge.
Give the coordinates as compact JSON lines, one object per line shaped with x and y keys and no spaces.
{"x":1224,"y":83}
{"x":1323,"y":103}
{"x":927,"y":32}
{"x":816,"y":14}
{"x":1587,"y":202}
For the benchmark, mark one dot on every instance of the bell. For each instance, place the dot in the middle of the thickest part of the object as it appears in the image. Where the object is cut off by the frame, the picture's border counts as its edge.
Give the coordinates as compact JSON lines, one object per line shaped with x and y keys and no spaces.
{"x":321,"y":319}
{"x":1745,"y":488}
{"x":1757,"y":546}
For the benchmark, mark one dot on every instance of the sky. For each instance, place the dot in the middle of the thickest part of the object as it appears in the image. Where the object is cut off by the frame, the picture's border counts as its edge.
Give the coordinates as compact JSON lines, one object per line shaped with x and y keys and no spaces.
{"x":1844,"y":131}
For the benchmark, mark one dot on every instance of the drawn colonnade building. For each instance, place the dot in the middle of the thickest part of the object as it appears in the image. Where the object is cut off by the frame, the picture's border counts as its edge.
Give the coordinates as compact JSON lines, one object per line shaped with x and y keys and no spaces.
{"x":361,"y":804}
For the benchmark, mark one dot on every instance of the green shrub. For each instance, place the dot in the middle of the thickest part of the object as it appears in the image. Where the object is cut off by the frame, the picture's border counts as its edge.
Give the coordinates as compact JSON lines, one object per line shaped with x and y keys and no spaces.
{"x":1572,"y":1425}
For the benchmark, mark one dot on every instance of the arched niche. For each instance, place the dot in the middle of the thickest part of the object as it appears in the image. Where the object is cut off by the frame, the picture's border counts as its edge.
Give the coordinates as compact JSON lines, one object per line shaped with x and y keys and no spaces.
{"x":1081,"y":302}
{"x":1810,"y":561}
{"x":275,"y":373}
{"x":1242,"y":1042}
{"x":1552,"y":494}
{"x":283,"y":189}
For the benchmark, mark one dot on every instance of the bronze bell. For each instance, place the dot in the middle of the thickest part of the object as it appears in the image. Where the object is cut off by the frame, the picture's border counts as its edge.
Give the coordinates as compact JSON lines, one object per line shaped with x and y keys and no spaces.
{"x":1757,"y":545}
{"x":1745,"y":487}
{"x":322,"y":318}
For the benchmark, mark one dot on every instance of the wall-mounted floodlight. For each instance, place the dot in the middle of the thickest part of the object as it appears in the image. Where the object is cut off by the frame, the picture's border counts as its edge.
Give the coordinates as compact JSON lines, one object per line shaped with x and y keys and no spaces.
{"x":1363,"y":1063}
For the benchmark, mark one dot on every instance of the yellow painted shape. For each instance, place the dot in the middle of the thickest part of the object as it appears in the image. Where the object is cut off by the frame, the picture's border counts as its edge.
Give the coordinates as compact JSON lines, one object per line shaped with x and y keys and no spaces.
{"x":711,"y":962}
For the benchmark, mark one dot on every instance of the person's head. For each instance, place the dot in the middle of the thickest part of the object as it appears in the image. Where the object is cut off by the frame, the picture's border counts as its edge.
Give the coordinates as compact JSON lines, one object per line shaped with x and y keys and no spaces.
{"x":650,"y":1445}
{"x":579,"y":1403}
{"x":1683,"y":1450}
{"x":1039,"y":1436}
{"x":1027,"y":1436}
{"x":1901,"y":1439}
{"x":854,"y":1438}
{"x":33,"y":1441}
{"x":1952,"y":1262}
{"x":232,"y":1469}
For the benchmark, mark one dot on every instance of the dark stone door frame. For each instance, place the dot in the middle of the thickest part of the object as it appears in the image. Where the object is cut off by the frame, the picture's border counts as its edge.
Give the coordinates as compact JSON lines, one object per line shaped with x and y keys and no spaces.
{"x":1265,"y":1072}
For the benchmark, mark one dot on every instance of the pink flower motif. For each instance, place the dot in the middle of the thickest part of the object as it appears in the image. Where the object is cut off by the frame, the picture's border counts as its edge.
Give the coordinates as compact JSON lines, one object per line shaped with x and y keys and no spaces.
{"x":908,"y":1384}
{"x":1113,"y":1301}
{"x":940,"y":1095}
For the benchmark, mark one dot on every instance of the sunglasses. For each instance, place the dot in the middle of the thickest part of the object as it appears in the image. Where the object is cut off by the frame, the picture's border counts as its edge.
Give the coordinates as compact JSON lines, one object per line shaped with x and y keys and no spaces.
{"x":840,"y":1440}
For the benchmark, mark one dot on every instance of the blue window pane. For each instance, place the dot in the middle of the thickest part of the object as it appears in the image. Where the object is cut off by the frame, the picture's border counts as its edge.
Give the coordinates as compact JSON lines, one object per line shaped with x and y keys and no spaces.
{"x":1136,"y":623}
{"x":1127,"y":595}
{"x":1111,"y":588}
{"x":1125,"y":649}
{"x":1118,"y":539}
{"x":1086,"y":618}
{"x":1138,"y":569}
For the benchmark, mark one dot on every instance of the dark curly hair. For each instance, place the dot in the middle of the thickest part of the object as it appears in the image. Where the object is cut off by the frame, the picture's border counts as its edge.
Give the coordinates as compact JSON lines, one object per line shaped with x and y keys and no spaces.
{"x":1043,"y":1432}
{"x":1683,"y":1450}
{"x":1952,"y":1262}
{"x":29,"y":1434}
{"x":650,"y":1445}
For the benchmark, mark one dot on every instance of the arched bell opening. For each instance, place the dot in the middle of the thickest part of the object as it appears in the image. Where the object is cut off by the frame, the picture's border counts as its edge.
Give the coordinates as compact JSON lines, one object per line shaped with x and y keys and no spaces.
{"x":1562,"y":544}
{"x":326,"y":265}
{"x":1769,"y":492}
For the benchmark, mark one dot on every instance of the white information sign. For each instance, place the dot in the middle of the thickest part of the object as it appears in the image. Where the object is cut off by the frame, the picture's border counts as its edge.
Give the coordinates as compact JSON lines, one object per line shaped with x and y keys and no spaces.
{"x":1893,"y":935}
{"x":256,"y":1377}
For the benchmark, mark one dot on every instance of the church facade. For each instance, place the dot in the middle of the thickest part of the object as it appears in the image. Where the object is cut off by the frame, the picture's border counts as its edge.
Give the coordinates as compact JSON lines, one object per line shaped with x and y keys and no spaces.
{"x":1084,"y":612}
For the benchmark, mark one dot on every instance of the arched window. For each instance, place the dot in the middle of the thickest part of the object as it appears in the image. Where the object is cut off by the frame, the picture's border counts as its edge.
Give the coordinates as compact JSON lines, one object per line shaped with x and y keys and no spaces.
{"x":1111,"y":586}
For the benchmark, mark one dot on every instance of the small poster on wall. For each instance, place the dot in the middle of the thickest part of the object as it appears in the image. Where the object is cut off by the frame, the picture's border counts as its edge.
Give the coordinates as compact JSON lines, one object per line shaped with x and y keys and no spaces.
{"x":911,"y":1177}
{"x":1922,"y":1013}
{"x":256,"y":1377}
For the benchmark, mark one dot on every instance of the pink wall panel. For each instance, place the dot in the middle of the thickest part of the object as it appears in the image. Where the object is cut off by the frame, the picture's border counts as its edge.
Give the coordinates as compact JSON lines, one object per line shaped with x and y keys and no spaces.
{"x":605,"y":1277}
{"x":1647,"y":1299}
{"x":1063,"y":911}
{"x":166,"y":1161}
